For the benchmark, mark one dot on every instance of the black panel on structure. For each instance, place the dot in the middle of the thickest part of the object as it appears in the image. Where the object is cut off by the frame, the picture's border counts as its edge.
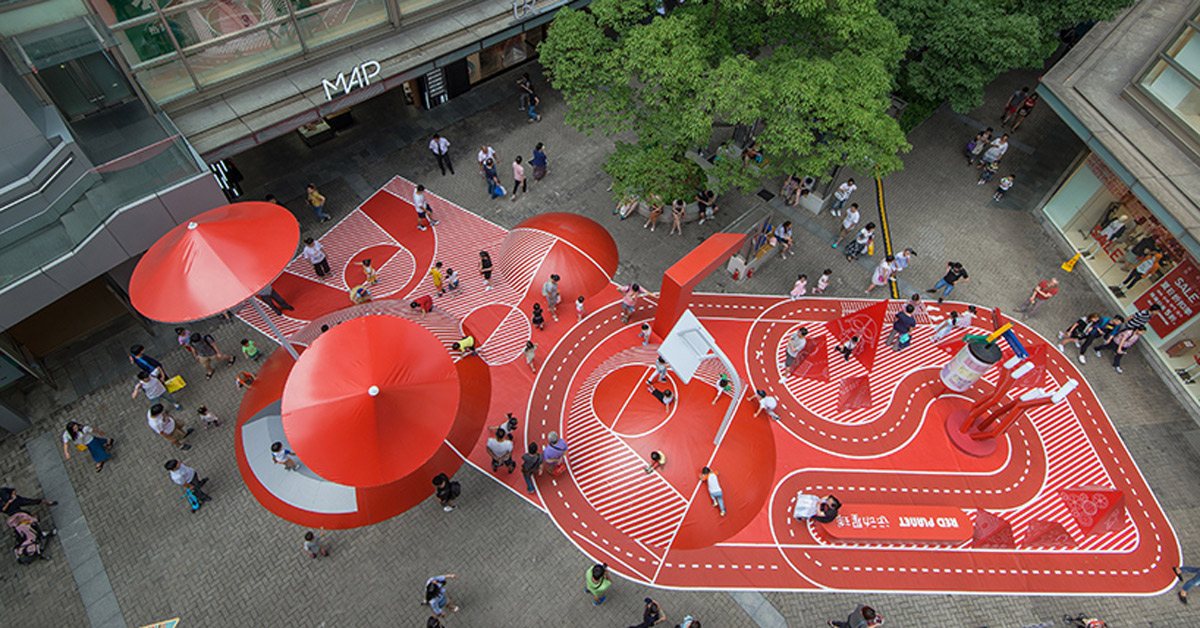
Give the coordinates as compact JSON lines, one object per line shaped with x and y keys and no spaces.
{"x":458,"y":78}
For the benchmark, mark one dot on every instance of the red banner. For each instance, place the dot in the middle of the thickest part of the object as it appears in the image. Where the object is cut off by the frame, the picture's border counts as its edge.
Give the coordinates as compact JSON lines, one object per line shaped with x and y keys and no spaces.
{"x":1179,"y":295}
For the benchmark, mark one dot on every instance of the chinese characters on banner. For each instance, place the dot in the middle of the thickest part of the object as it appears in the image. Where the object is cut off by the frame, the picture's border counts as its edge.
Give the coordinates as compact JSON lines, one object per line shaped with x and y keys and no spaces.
{"x":1179,"y":295}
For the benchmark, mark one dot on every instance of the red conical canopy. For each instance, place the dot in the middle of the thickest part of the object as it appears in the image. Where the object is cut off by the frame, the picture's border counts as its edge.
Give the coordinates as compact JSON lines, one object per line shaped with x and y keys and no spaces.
{"x":214,"y":262}
{"x":370,"y":401}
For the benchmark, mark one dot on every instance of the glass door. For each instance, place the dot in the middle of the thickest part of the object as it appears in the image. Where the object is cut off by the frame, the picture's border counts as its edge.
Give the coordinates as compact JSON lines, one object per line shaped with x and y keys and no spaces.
{"x":85,"y":85}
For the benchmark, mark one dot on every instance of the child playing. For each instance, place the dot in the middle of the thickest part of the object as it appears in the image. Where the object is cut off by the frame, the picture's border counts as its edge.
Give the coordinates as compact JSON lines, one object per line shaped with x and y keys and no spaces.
{"x":724,"y":385}
{"x":283,"y":456}
{"x":530,"y":354}
{"x":579,"y":309}
{"x":1005,"y":185}
{"x":664,"y":397}
{"x":249,"y":350}
{"x":538,"y":320}
{"x":314,"y":544}
{"x":210,"y":419}
{"x":987,"y":173}
{"x":714,"y":488}
{"x":657,"y":460}
{"x":847,"y":348}
{"x":823,"y":282}
{"x":800,"y":288}
{"x":360,"y":294}
{"x":245,"y":380}
{"x":438,"y":277}
{"x":451,"y":280}
{"x":644,"y":334}
{"x":422,"y":304}
{"x":466,"y":345}
{"x":369,"y":272}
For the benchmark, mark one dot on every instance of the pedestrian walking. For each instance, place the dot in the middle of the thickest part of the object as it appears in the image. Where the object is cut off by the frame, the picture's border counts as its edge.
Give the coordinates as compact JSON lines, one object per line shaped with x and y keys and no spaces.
{"x":447,"y":491}
{"x":1042,"y":292}
{"x":975,"y":147}
{"x":862,"y":242}
{"x":1121,"y":344}
{"x":677,"y":208}
{"x":539,"y":162}
{"x":800,"y":288}
{"x":435,"y":595}
{"x":485,"y":269}
{"x":847,"y":347}
{"x":657,"y":460}
{"x":651,"y":615}
{"x":629,"y":297}
{"x":955,"y":273}
{"x":438,"y":278}
{"x":531,"y":462}
{"x":189,"y":479}
{"x":598,"y":582}
{"x":783,"y":237}
{"x":534,"y":116}
{"x":1078,"y":330}
{"x":530,"y":353}
{"x":282,"y":456}
{"x":315,"y":254}
{"x":709,"y":477}
{"x":500,"y":449}
{"x":166,"y":426}
{"x":902,"y":325}
{"x":579,"y":312}
{"x":1006,"y":184}
{"x":656,"y":210}
{"x":1014,"y":103}
{"x":1194,"y":572}
{"x":493,"y":179}
{"x":1142,"y":317}
{"x":883,"y":273}
{"x":644,"y":334}
{"x":1104,"y":330}
{"x":519,"y":178}
{"x":766,"y":403}
{"x":440,"y":147}
{"x":181,"y":337}
{"x":862,"y":617}
{"x":423,"y":209}
{"x":823,"y":281}
{"x":525,"y":90}
{"x":84,"y":438}
{"x":314,"y":544}
{"x":1024,"y":110}
{"x":274,"y":300}
{"x":154,"y":389}
{"x":138,"y":357}
{"x":791,"y":353}
{"x":537,"y":319}
{"x":316,"y":201}
{"x":660,"y":372}
{"x":205,"y":348}
{"x":849,"y":222}
{"x":842,"y":195}
{"x":995,"y":150}
{"x":550,"y":291}
{"x":209,"y":419}
{"x":553,"y":454}
{"x":485,"y":154}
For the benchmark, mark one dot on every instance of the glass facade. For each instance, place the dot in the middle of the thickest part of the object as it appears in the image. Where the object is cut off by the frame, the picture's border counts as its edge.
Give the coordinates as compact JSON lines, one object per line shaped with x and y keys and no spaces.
{"x":1173,"y":79}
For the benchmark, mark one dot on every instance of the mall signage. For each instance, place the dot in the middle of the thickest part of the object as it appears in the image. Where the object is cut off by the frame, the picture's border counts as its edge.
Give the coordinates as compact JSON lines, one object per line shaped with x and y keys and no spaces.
{"x":1179,"y":295}
{"x":360,"y":76}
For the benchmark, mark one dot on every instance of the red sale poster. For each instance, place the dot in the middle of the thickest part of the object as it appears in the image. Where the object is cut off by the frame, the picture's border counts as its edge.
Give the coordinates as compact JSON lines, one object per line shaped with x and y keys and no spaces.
{"x":1179,"y":295}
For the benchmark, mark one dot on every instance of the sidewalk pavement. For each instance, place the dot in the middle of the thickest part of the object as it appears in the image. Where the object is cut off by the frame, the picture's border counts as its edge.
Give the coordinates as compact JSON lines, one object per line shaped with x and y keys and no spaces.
{"x":234,"y":563}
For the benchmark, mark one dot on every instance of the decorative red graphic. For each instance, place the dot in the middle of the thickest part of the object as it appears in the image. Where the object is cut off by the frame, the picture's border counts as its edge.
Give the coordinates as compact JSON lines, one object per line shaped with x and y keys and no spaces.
{"x":992,"y":531}
{"x":1179,"y":295}
{"x":1096,"y":509}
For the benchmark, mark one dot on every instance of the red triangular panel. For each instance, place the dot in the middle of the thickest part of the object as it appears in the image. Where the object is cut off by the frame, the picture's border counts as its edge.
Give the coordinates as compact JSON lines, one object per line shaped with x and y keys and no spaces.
{"x":867,"y":324}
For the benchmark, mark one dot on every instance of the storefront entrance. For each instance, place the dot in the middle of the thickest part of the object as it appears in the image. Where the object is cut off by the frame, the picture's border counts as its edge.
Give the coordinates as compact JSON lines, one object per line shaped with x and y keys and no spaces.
{"x":85,"y":85}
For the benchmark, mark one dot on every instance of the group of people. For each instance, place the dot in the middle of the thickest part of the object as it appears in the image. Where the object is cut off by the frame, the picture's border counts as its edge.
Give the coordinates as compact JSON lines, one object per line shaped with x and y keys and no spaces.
{"x":1115,"y":333}
{"x":491,"y":177}
{"x":706,"y":209}
{"x":987,"y":151}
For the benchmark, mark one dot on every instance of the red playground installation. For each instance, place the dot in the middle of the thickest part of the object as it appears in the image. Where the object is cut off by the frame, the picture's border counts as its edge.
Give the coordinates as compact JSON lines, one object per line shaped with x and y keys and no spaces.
{"x":978,"y":461}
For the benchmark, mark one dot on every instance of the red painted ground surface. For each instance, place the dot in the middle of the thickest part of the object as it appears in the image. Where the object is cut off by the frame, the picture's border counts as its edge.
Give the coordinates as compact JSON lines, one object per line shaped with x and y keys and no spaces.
{"x":661,"y":528}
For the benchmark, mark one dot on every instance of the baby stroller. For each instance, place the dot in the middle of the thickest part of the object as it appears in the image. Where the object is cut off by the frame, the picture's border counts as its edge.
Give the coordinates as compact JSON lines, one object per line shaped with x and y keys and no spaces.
{"x":30,"y":544}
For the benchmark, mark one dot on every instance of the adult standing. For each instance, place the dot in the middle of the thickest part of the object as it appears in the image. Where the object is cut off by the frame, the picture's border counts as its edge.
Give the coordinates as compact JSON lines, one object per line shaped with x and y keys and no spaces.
{"x":677,"y":211}
{"x":187,"y":478}
{"x":1027,"y":106}
{"x":485,"y":269}
{"x":861,"y":242}
{"x":440,"y":147}
{"x":883,"y":273}
{"x":1014,"y":103}
{"x":955,"y":273}
{"x":274,"y":300}
{"x":975,"y":147}
{"x":1042,"y":292}
{"x":651,"y":615}
{"x":519,"y":182}
{"x":531,"y":461}
{"x":783,"y":235}
{"x":205,"y":348}
{"x":84,"y":438}
{"x":994,"y":152}
{"x":137,"y":355}
{"x":421,"y":206}
{"x":862,"y":617}
{"x":791,"y":353}
{"x":154,"y":390}
{"x":842,"y":195}
{"x":316,"y":201}
{"x":539,"y":162}
{"x":550,"y":291}
{"x":166,"y":426}
{"x":598,"y":582}
{"x":629,"y":297}
{"x":849,"y":222}
{"x":500,"y":449}
{"x":485,"y":153}
{"x":446,"y":490}
{"x":315,"y":254}
{"x":552,"y":455}
{"x":902,"y":325}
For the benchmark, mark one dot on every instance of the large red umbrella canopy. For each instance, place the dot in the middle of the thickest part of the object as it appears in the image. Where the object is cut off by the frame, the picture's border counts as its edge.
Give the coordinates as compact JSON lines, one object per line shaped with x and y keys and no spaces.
{"x":370,"y":401}
{"x":214,"y":261}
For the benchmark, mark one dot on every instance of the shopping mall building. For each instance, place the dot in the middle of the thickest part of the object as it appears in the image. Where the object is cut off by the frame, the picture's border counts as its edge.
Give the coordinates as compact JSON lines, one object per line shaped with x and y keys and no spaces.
{"x":119,"y":116}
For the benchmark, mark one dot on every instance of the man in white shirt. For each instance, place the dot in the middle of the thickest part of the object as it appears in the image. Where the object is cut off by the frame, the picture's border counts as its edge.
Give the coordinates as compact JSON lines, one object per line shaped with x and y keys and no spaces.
{"x":421,"y":206}
{"x":165,"y":425}
{"x":440,"y":147}
{"x":187,"y":477}
{"x":842,"y":195}
{"x":768,"y":403}
{"x":500,"y":449}
{"x":485,"y":153}
{"x":154,"y":389}
{"x":848,"y":224}
{"x":315,"y":254}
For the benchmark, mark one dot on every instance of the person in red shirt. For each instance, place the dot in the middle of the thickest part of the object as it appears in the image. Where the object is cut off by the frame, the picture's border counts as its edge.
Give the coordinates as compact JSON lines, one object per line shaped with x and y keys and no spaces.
{"x":1041,"y":294}
{"x":424,"y":304}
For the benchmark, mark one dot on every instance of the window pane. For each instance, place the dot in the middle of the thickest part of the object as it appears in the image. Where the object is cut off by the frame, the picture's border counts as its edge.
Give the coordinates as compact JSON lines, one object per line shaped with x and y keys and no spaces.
{"x":1175,"y":92}
{"x":1186,"y":52}
{"x":234,"y":56}
{"x":342,"y":19}
{"x":207,"y":21}
{"x":144,"y":42}
{"x":165,"y":82}
{"x":411,"y":6}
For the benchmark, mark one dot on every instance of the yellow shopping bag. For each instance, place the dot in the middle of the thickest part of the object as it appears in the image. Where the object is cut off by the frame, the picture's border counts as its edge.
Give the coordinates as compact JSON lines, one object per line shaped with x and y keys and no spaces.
{"x":871,"y":247}
{"x":175,"y":383}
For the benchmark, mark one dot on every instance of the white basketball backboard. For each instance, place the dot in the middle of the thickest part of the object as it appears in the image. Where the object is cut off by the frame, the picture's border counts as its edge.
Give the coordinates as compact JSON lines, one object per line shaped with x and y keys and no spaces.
{"x":686,"y":346}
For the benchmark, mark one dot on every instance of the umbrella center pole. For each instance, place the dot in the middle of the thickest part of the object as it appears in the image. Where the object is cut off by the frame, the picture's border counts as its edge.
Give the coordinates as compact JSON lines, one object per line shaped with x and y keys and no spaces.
{"x":279,"y":337}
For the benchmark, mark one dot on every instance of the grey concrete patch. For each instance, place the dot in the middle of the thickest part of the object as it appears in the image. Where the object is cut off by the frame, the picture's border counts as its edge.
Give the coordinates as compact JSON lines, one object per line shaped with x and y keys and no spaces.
{"x":79,"y":547}
{"x":759,"y":609}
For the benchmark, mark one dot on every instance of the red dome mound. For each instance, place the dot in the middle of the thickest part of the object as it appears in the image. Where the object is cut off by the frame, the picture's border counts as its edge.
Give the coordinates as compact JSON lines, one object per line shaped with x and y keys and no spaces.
{"x":584,"y":254}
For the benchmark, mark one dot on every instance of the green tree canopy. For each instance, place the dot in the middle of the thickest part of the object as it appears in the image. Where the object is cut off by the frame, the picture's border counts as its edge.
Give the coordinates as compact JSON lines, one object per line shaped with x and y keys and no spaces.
{"x":958,"y":47}
{"x":815,"y":76}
